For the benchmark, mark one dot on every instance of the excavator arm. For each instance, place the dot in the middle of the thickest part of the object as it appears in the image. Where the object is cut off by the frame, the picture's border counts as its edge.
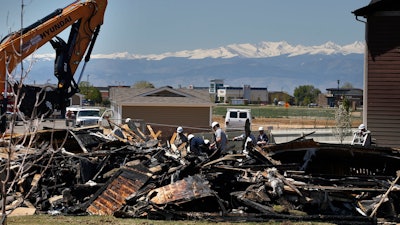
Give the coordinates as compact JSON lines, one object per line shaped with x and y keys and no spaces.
{"x":84,"y":18}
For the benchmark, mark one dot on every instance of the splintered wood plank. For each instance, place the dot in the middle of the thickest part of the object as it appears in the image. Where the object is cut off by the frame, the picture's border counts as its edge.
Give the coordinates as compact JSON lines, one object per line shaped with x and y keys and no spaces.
{"x":126,"y":128}
{"x":172,"y":140}
{"x":23,"y":211}
{"x":152,"y":134}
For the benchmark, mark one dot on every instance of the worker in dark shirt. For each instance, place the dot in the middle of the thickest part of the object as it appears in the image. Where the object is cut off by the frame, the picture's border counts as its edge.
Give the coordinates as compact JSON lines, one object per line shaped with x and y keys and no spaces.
{"x":197,"y":145}
{"x":262,"y":138}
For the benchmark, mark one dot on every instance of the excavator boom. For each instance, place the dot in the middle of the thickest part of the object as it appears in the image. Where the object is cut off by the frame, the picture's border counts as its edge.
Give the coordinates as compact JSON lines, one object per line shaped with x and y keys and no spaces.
{"x":18,"y":45}
{"x":84,"y":18}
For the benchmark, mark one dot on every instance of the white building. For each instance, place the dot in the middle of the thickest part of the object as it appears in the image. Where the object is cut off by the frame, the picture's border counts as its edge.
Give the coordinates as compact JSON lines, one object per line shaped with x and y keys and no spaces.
{"x":242,"y":95}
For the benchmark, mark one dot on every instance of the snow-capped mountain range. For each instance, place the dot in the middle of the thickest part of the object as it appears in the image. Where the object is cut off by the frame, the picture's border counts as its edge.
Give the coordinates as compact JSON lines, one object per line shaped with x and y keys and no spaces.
{"x":260,"y":50}
{"x":276,"y":65}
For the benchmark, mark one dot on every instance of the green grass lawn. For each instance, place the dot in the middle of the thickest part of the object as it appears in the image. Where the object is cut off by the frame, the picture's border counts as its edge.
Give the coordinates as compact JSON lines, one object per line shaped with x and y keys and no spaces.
{"x":110,"y":220}
{"x":270,"y":111}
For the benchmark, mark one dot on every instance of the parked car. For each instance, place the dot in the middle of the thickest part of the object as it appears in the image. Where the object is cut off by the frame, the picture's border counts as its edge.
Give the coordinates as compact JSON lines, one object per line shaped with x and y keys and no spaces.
{"x":86,"y":102}
{"x":281,"y":103}
{"x":235,"y":119}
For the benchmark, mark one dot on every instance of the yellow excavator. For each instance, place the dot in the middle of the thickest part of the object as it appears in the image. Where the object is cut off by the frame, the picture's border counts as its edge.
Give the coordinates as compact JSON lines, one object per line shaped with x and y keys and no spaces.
{"x":84,"y":19}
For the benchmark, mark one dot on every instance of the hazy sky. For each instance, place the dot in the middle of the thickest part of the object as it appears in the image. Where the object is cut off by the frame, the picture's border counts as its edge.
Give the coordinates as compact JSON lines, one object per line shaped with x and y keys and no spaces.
{"x":158,"y":26}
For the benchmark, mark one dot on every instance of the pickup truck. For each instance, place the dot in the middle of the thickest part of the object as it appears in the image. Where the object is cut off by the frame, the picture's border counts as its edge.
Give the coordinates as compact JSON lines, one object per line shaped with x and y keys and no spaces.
{"x":84,"y":116}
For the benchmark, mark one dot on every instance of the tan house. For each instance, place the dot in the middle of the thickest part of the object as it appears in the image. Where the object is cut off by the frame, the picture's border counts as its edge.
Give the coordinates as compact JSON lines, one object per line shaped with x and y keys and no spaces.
{"x":163,"y":106}
{"x":382,"y":70}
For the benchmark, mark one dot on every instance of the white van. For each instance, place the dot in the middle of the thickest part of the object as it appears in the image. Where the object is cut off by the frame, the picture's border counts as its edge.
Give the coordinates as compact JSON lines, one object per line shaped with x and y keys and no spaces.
{"x":235,"y":119}
{"x":85,"y":116}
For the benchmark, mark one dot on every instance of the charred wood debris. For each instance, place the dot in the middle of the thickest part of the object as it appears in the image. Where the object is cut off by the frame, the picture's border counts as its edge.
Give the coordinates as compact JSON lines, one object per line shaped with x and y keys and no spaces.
{"x":132,"y":173}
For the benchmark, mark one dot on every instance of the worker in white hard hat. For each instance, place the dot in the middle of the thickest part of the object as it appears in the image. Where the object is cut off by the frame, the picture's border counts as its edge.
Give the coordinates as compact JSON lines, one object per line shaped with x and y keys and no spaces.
{"x":197,"y":145}
{"x":180,"y":137}
{"x":214,"y":124}
{"x":262,"y":138}
{"x":220,"y":139}
{"x":362,"y":136}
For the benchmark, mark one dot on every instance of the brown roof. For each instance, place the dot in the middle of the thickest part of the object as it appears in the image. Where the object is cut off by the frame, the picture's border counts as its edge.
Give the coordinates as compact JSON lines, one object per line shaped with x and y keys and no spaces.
{"x":160,"y":96}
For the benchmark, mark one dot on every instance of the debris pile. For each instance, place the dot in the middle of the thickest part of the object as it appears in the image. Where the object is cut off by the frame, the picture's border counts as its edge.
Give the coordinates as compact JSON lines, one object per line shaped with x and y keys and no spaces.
{"x":126,"y":172}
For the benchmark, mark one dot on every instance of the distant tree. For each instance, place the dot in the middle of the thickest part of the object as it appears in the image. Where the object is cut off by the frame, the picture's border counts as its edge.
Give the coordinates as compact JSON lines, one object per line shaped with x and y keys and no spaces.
{"x":306,"y":94}
{"x":347,"y":85}
{"x":90,"y":92}
{"x":106,"y":103}
{"x":94,"y":94}
{"x":343,"y":122}
{"x":142,"y":84}
{"x":346,"y":104}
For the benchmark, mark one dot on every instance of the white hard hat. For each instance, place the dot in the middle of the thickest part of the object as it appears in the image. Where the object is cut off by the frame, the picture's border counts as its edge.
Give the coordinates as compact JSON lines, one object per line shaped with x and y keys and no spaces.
{"x":261,"y":128}
{"x":214,"y":124}
{"x":190,"y":136}
{"x":179,"y":129}
{"x":362,"y":126}
{"x":127,"y":120}
{"x":206,"y":141}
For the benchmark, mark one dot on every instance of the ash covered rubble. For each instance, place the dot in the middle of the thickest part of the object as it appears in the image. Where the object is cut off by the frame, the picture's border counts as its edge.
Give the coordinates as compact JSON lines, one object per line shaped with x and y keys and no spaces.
{"x":129,"y":173}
